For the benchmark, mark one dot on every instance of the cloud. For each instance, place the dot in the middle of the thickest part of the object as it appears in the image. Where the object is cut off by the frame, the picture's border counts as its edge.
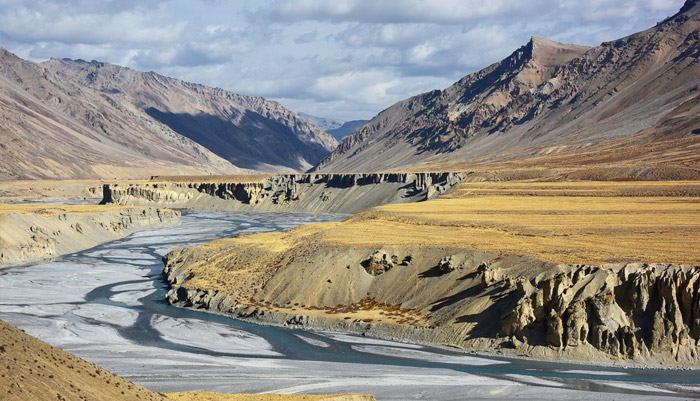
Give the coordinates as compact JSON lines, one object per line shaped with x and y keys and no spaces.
{"x":344,"y":58}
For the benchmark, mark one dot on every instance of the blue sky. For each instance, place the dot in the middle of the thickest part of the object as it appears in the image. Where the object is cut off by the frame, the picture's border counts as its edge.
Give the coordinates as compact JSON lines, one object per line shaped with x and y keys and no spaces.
{"x":346,"y":59}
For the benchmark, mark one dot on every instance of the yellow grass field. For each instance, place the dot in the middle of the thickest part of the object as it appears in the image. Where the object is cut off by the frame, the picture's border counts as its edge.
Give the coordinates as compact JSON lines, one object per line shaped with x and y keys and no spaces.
{"x":53,"y":210}
{"x":583,"y":222}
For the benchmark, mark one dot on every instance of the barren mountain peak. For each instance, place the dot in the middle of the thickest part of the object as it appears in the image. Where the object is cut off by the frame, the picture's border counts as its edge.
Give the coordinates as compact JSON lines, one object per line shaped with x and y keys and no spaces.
{"x":545,"y":95}
{"x":551,"y":53}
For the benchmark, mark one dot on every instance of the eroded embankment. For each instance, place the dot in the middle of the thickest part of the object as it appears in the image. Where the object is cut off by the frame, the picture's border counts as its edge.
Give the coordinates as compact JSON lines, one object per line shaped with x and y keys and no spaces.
{"x":475,"y":300}
{"x":332,"y":193}
{"x":33,"y":232}
{"x":537,"y":269}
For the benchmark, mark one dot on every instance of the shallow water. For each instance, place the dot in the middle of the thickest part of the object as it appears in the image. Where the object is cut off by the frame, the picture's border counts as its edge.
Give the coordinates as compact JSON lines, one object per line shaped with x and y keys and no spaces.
{"x":107,"y":305}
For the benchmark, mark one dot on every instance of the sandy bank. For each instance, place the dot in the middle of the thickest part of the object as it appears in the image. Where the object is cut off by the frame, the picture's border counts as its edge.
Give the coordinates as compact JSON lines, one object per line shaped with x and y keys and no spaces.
{"x":32,"y":232}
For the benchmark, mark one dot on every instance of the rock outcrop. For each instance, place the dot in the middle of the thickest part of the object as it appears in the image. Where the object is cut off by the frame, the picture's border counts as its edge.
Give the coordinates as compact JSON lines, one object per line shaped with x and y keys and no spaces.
{"x":631,"y":311}
{"x":48,"y":231}
{"x":343,"y":193}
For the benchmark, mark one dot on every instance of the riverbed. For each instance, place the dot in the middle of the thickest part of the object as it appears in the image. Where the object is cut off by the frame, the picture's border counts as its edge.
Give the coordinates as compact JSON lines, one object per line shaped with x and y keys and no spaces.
{"x":107,"y":306}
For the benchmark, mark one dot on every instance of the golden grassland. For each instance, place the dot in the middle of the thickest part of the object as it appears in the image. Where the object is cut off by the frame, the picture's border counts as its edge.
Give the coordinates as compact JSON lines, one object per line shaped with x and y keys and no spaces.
{"x":204,"y":396}
{"x":238,"y":178}
{"x":47,"y":210}
{"x":582,"y":222}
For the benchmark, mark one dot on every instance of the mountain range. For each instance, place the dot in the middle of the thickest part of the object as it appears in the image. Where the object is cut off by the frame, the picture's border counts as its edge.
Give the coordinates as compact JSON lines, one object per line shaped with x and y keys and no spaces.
{"x":634,"y":101}
{"x":629,"y":108}
{"x":77,"y":119}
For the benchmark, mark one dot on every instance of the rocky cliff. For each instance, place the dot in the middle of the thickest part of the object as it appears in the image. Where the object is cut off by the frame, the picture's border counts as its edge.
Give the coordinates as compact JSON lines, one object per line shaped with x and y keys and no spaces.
{"x":342,"y":193}
{"x":32,"y":232}
{"x":630,"y":311}
{"x":490,"y":302}
{"x":546,"y":99}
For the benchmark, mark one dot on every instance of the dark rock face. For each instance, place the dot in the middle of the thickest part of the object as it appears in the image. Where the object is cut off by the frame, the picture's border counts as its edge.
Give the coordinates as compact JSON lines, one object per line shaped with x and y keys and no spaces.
{"x":380,"y":262}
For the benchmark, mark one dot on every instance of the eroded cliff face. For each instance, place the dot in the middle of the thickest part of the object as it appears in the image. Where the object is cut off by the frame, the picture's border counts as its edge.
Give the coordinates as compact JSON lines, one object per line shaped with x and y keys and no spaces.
{"x":342,"y":193}
{"x":52,"y":231}
{"x":485,"y":301}
{"x":633,"y":311}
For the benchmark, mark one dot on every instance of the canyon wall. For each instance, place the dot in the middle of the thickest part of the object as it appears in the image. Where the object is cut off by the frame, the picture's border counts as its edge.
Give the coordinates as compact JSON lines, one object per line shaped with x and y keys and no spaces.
{"x":31,"y":235}
{"x":339,"y":193}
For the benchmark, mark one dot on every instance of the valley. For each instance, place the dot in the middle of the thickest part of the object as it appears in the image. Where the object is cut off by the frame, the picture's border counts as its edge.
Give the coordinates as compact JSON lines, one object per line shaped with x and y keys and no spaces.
{"x":528,"y":230}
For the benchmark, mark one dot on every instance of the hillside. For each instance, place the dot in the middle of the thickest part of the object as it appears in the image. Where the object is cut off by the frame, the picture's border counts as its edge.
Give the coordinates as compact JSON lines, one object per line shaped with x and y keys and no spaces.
{"x":74,"y":119}
{"x":547,"y":100}
{"x":248,"y":131}
{"x":34,"y":370}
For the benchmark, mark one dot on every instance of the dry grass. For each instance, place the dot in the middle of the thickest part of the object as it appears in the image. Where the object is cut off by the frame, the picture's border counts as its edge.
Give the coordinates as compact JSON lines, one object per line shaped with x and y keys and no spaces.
{"x":34,"y":370}
{"x":203,"y":396}
{"x":367,"y":310}
{"x":53,"y":210}
{"x":574,"y":223}
{"x":583,"y":222}
{"x":238,"y":178}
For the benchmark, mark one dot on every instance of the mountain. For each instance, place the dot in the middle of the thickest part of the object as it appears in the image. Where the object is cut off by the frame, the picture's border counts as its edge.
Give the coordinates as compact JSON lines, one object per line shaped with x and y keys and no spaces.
{"x":324,"y":123}
{"x":77,"y":119}
{"x":248,"y":131}
{"x":53,"y":128}
{"x":346,"y":129}
{"x":548,"y":101}
{"x":339,"y":129}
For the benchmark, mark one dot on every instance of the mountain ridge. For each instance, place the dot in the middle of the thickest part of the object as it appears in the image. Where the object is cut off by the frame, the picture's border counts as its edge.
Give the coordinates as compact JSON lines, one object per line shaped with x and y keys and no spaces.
{"x":63,"y":119}
{"x":545,"y":97}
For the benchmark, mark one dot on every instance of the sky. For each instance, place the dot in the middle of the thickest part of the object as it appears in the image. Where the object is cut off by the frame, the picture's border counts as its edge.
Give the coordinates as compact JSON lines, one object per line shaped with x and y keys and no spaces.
{"x":346,"y":59}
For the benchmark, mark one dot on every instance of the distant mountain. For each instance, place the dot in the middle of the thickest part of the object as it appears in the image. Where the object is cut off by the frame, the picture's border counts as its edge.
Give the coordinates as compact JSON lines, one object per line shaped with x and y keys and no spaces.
{"x":550,"y":99}
{"x":346,"y":129}
{"x":325,"y":124}
{"x":339,"y":129}
{"x":248,"y":131}
{"x":77,"y":119}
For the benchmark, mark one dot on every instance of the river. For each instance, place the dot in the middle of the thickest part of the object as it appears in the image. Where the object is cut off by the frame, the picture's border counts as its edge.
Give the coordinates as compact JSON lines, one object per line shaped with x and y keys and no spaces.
{"x":106,"y":305}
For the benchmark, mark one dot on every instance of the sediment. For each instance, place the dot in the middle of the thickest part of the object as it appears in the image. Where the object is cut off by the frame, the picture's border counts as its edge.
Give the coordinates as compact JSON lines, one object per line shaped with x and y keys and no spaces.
{"x":54,"y":230}
{"x":632,"y":313}
{"x":330,"y":193}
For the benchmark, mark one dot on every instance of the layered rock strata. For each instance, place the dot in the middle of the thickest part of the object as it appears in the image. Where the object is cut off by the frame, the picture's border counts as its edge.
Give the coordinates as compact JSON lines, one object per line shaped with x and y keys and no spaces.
{"x":343,"y":193}
{"x":56,"y":230}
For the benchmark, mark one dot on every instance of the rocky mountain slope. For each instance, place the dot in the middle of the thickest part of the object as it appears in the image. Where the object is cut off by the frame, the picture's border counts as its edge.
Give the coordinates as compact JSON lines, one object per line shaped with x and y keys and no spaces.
{"x":545,"y":99}
{"x":346,"y":129}
{"x":74,"y":119}
{"x":55,"y":128}
{"x":248,"y":131}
